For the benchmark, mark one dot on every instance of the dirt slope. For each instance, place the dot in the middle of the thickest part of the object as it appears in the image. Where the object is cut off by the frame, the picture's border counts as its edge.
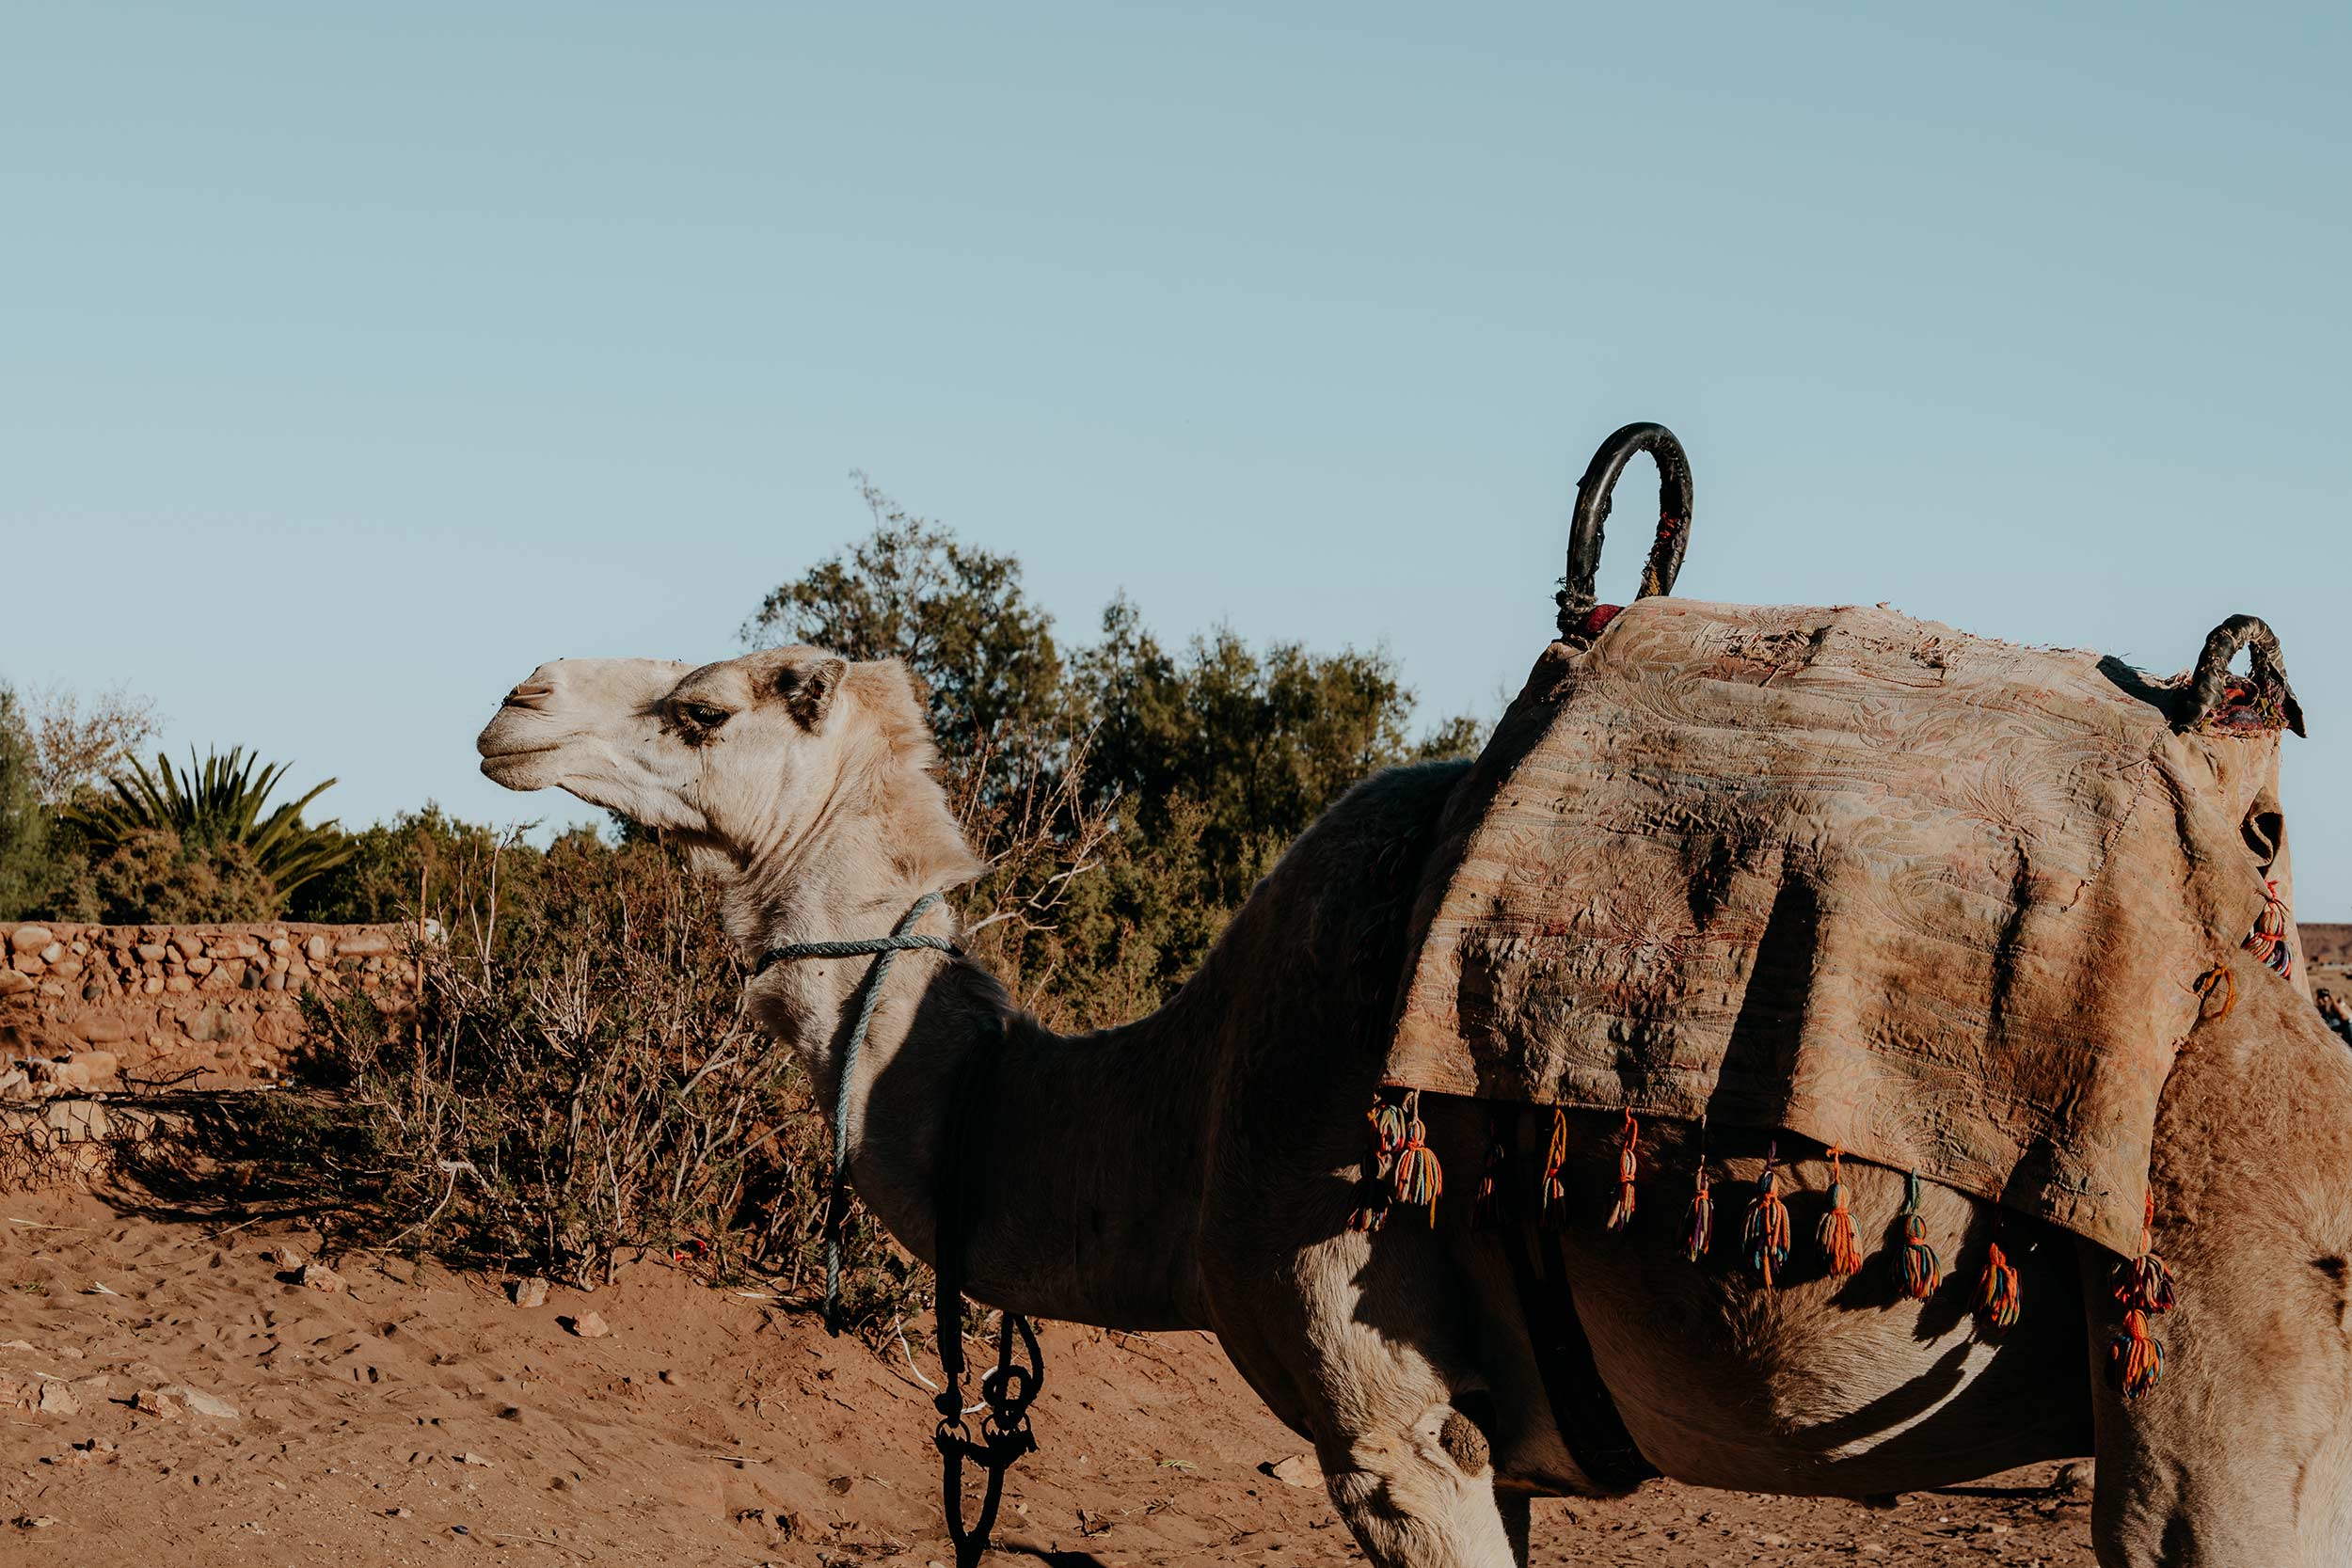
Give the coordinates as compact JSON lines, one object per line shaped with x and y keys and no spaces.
{"x":416,"y":1417}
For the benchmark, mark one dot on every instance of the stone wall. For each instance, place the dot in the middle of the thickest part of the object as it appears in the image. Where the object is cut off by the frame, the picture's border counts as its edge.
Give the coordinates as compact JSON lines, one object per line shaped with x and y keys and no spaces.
{"x":84,"y":1001}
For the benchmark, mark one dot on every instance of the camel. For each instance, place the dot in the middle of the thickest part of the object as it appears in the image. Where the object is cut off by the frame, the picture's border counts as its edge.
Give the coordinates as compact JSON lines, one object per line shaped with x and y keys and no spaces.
{"x":1195,"y":1170}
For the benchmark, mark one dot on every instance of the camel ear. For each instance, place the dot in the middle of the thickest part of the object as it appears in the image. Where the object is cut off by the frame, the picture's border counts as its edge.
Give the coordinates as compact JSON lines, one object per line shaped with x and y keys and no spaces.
{"x":808,"y":689}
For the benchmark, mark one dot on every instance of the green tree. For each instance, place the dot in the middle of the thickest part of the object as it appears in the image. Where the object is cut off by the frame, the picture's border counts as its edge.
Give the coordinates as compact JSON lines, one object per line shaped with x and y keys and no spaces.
{"x":1127,"y":797}
{"x":30,"y":872}
{"x":960,"y":619}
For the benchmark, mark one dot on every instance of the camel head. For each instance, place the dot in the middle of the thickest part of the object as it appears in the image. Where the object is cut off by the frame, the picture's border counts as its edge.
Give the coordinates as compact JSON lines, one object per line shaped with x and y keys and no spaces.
{"x":743,"y":761}
{"x":2242,"y":1451}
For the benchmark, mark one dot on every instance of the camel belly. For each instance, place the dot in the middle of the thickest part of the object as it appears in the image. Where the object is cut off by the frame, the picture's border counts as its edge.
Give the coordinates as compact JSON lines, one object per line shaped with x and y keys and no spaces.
{"x":1827,"y":1384}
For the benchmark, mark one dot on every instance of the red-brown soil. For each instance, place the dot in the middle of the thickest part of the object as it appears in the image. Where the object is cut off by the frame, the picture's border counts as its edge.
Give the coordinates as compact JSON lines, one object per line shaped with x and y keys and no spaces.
{"x":418,"y":1416}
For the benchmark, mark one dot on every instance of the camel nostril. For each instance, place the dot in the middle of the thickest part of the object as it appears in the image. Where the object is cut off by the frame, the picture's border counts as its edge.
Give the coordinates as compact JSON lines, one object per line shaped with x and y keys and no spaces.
{"x":530,"y":694}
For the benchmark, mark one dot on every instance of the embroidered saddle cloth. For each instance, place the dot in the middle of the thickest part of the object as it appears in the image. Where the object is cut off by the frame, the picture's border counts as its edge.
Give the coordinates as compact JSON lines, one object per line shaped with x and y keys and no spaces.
{"x":1942,"y":900}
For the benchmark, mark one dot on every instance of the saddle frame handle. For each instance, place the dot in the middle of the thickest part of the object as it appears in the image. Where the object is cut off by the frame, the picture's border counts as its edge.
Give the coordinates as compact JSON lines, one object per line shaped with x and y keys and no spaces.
{"x":1580,"y":617}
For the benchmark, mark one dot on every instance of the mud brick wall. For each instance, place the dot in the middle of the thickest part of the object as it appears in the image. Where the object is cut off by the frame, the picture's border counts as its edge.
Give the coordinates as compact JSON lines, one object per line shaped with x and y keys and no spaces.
{"x":160,"y":1000}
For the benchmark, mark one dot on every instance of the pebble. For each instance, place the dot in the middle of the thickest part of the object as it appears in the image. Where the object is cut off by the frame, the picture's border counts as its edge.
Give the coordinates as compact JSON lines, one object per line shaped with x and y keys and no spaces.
{"x":154,"y":1401}
{"x":210,"y":1405}
{"x":528,"y":1292}
{"x":589,"y":1325}
{"x":1297,"y":1470}
{"x":318,"y":1276}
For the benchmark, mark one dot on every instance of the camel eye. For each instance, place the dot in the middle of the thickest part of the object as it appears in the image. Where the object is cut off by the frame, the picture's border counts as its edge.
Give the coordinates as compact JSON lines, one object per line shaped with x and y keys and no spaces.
{"x":702,"y":715}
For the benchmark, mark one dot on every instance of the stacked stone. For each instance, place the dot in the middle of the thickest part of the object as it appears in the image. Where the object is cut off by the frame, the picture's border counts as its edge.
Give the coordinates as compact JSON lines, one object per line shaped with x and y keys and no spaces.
{"x":218,"y":998}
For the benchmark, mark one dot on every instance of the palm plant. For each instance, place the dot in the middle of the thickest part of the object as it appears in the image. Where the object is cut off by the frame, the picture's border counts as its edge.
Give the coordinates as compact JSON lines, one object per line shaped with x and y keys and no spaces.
{"x":214,"y":804}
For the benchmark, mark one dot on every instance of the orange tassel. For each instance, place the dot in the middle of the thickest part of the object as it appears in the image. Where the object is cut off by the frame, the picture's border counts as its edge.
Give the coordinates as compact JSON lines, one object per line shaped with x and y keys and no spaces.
{"x":1388,"y":1136}
{"x":1553,"y":1194}
{"x":2217,"y":978}
{"x":1997,"y":1293}
{"x":2134,"y":1358}
{"x":2268,"y":941}
{"x":1628,"y":1165}
{"x":1489,"y":1205}
{"x":1835,"y":1232}
{"x":1418,"y":1177}
{"x":1699,"y":1221}
{"x":1766,"y":1235}
{"x":2144,"y":1284}
{"x":1922,"y":1270}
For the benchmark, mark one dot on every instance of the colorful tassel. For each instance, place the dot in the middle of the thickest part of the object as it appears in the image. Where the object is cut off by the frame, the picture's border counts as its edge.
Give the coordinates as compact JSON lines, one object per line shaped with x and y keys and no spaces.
{"x":2135,"y":1357}
{"x":1419,"y":1179}
{"x":1834,"y":1234}
{"x":1490,"y":1205}
{"x":2268,"y":941}
{"x":1997,"y":1293}
{"x":1628,"y":1165}
{"x":1766,"y":1234}
{"x":1372,"y":1191}
{"x":1699,"y":1221}
{"x":1553,"y":1194}
{"x":1922,"y":1270}
{"x":2143,"y":1286}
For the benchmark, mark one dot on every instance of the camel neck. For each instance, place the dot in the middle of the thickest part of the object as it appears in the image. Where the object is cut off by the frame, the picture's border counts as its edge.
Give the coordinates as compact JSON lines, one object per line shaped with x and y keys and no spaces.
{"x":1088,"y":1169}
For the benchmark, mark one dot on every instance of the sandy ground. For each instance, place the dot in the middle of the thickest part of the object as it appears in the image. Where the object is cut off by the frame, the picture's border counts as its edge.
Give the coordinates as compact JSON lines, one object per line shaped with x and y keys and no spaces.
{"x":419,"y":1417}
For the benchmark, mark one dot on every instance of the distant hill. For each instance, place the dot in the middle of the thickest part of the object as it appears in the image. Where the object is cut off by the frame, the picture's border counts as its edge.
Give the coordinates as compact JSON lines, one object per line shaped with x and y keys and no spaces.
{"x":2326,"y":943}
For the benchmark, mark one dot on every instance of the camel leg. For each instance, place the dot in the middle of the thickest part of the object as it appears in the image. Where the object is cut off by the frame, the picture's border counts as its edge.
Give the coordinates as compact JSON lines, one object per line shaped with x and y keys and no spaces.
{"x":1412,"y":1504}
{"x":1409,"y":1471}
{"x":1516,"y":1509}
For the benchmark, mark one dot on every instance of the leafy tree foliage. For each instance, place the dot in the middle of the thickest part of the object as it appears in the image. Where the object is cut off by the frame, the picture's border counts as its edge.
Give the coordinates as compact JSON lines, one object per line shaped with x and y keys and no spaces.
{"x":1127,"y":797}
{"x":217,"y":806}
{"x":958,"y":615}
{"x":150,"y":873}
{"x":29,"y":869}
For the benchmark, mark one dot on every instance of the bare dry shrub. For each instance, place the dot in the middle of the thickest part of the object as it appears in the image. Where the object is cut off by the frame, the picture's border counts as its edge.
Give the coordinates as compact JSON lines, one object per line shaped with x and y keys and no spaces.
{"x":579,"y":1084}
{"x":79,"y":741}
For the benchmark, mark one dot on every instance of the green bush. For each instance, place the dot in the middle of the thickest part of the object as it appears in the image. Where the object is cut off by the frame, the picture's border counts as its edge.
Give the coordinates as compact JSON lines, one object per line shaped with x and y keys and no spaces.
{"x":152,"y":876}
{"x":216,"y":806}
{"x":420,"y":863}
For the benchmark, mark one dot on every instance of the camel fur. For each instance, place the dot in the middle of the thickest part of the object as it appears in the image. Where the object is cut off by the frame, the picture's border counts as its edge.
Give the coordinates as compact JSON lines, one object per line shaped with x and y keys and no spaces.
{"x":1195,"y":1169}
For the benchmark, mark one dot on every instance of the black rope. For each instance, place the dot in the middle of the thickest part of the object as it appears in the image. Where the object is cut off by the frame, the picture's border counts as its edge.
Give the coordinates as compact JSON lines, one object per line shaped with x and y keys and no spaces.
{"x":881,"y":949}
{"x":958,"y":1175}
{"x":960,"y":1182}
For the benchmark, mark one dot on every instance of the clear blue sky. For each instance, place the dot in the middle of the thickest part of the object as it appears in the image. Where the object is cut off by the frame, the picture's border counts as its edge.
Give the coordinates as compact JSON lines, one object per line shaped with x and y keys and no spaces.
{"x":358,"y":358}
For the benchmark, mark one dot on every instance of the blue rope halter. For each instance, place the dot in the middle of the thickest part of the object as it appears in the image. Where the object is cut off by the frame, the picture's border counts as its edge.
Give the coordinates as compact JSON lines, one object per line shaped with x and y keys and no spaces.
{"x":881,"y":949}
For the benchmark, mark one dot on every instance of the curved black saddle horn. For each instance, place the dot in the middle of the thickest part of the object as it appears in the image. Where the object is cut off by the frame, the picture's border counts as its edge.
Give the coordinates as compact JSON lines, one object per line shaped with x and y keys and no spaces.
{"x":2211,"y":679}
{"x":1579,"y":617}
